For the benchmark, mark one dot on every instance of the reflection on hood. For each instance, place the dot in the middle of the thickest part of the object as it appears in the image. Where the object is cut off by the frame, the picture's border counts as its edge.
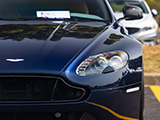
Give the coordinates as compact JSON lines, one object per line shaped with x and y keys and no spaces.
{"x":46,"y":47}
{"x":19,"y":32}
{"x":113,"y":38}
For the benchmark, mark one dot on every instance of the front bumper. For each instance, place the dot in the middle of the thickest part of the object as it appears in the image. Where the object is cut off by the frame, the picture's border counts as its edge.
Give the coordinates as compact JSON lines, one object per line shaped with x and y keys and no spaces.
{"x":146,"y":35}
{"x":104,"y":104}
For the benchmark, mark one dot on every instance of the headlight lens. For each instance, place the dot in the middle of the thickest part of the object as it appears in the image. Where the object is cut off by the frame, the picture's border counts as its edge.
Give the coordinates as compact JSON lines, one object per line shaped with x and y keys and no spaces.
{"x":102,"y":63}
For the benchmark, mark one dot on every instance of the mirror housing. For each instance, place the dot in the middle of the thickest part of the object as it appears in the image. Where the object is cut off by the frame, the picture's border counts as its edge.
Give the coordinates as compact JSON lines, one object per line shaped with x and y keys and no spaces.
{"x":154,"y":12}
{"x":131,"y":12}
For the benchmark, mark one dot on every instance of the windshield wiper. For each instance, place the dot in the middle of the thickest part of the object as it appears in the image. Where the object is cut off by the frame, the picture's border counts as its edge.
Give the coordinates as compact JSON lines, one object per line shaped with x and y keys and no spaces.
{"x":87,"y":19}
{"x":76,"y":19}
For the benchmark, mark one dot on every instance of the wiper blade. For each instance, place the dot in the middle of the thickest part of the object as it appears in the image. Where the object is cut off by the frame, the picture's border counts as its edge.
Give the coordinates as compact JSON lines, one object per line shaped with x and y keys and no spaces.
{"x":87,"y":19}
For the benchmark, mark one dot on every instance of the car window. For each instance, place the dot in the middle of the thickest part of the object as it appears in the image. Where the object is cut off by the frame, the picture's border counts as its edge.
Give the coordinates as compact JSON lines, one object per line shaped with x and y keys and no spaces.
{"x":86,"y":9}
{"x":118,"y":5}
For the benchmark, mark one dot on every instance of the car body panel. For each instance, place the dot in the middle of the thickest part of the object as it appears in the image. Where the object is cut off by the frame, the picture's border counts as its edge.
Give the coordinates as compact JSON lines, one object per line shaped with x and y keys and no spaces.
{"x":109,"y":39}
{"x":107,"y":45}
{"x":108,"y":108}
{"x":21,"y":40}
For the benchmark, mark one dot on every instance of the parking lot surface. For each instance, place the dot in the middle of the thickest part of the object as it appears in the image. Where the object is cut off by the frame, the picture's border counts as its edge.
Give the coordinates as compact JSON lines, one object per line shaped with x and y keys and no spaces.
{"x":152,"y":97}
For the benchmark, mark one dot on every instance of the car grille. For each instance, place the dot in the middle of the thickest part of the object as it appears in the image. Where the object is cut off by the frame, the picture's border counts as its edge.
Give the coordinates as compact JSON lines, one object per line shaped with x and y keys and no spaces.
{"x":38,"y":89}
{"x":132,"y":30}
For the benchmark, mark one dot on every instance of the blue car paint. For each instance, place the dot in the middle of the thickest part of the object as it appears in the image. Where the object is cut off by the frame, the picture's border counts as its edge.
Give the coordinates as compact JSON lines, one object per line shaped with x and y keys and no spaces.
{"x":62,"y":55}
{"x":115,"y":83}
{"x":41,"y":54}
{"x":104,"y":89}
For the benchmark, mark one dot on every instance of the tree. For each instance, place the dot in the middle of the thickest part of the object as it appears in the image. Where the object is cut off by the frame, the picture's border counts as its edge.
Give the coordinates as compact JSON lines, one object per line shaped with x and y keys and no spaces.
{"x":154,"y":4}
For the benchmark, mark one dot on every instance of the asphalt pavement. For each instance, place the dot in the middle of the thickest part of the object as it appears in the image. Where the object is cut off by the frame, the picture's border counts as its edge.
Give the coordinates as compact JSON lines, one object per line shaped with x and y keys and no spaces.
{"x":152,"y":96}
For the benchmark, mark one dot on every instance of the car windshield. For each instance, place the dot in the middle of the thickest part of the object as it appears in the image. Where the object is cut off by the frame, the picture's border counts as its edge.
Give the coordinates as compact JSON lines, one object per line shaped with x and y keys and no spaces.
{"x":54,"y":9}
{"x":117,"y":5}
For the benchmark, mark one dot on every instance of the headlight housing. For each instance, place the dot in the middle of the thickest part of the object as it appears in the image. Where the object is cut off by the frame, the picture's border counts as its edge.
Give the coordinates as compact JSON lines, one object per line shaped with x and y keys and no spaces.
{"x":102,"y":63}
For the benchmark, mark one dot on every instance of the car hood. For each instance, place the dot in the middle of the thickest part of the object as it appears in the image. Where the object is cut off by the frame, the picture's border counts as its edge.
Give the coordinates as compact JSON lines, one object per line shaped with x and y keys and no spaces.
{"x":146,"y":21}
{"x":34,"y":47}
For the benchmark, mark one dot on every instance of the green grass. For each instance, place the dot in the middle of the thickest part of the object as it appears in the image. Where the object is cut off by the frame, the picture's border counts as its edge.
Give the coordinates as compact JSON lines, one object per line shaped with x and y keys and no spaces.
{"x":151,"y":59}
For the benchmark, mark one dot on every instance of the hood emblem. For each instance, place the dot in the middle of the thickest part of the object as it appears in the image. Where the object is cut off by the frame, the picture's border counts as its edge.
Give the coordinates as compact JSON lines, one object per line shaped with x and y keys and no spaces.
{"x":15,"y":60}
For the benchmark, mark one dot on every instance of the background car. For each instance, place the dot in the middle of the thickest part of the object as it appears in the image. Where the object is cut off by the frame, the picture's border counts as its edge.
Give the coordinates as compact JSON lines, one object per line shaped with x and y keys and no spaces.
{"x":68,"y":60}
{"x":145,"y":29}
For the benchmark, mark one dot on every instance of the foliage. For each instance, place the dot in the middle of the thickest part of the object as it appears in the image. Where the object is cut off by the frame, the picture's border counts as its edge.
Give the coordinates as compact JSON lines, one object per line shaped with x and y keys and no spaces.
{"x":154,"y":4}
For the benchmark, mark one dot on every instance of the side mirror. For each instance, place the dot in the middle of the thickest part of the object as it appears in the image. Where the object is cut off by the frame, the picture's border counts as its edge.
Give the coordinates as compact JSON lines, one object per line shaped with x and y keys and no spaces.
{"x":131,"y":12}
{"x":154,"y":12}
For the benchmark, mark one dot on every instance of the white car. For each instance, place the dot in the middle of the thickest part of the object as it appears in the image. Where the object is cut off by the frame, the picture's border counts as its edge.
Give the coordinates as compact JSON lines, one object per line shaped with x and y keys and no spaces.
{"x":146,"y":29}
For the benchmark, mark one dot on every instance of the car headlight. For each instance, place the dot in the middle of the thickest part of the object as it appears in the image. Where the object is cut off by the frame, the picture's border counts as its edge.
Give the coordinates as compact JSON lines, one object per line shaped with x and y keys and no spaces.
{"x":146,"y":28}
{"x":102,"y":63}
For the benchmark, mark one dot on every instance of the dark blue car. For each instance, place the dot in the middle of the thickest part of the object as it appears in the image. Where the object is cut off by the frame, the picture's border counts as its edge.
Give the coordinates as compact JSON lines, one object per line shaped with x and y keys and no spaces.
{"x":68,"y":60}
